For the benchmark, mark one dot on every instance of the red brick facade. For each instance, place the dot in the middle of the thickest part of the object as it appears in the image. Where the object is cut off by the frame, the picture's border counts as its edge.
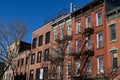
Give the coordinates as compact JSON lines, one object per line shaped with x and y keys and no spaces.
{"x":89,"y":25}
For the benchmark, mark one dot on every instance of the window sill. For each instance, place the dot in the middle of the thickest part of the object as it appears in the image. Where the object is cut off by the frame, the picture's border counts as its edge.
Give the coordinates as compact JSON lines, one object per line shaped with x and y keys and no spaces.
{"x":113,"y":40}
{"x":99,"y":25}
{"x":99,"y":48}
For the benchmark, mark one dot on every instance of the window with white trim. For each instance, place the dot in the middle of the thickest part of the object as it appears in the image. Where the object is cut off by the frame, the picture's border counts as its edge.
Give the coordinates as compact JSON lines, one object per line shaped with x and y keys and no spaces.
{"x":88,"y":44}
{"x":77,"y":70}
{"x":69,"y":30}
{"x":69,"y":47}
{"x":55,"y":34}
{"x":98,"y":18}
{"x":54,"y":52}
{"x":61,"y":33}
{"x":88,"y":21}
{"x":53,"y":72}
{"x":39,"y":74}
{"x":112,"y":32}
{"x":68,"y":73}
{"x":78,"y":46}
{"x":78,"y":24}
{"x":99,"y":40}
{"x":100,"y":64}
{"x":88,"y":67}
{"x":114,"y":59}
{"x":60,"y":71}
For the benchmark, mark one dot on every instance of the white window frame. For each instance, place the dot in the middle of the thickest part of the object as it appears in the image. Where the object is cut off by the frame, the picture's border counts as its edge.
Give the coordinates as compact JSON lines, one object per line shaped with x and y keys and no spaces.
{"x":60,"y":71}
{"x":41,"y":73}
{"x":52,"y":69}
{"x":88,"y":67}
{"x":114,"y":53}
{"x":61,"y":33}
{"x":69,"y":46}
{"x":111,"y":32}
{"x":100,"y":65}
{"x":78,"y":25}
{"x":99,"y":40}
{"x":88,"y":44}
{"x":55,"y":34}
{"x":77,"y":68}
{"x":69,"y":30}
{"x":67,"y":69}
{"x":88,"y":24}
{"x":54,"y":51}
{"x":98,"y":20}
{"x":78,"y":49}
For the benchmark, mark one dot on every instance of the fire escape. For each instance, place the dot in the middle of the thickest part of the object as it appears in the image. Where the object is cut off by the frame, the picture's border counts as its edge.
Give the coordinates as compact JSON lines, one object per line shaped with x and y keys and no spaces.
{"x":87,"y":51}
{"x":58,"y":59}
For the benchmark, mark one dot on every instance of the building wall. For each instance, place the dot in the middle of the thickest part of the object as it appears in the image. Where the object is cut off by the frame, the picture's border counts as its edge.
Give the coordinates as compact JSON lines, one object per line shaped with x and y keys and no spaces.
{"x":82,"y":18}
{"x":79,"y":15}
{"x":38,"y":32}
{"x":113,"y":44}
{"x":23,"y":69}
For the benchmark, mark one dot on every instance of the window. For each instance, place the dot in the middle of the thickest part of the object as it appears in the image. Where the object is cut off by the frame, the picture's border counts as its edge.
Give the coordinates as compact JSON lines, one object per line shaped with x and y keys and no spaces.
{"x":47,"y":39}
{"x":100,"y":64}
{"x":61,"y":50}
{"x":77,"y":70}
{"x":40,"y":40}
{"x":39,"y":74}
{"x":27,"y":58}
{"x":60,"y":71}
{"x":99,"y":40}
{"x":46,"y":55}
{"x":45,"y":72}
{"x":69,"y":47}
{"x":31,"y":74}
{"x":32,"y":58}
{"x":22,"y":61}
{"x":88,"y":21}
{"x":114,"y":59}
{"x":98,"y":18}
{"x":88,"y":44}
{"x":55,"y":34}
{"x":112,"y":32}
{"x":78,"y":27}
{"x":69,"y":30}
{"x":53,"y":71}
{"x":54,"y":52}
{"x":39,"y":56}
{"x":78,"y":46}
{"x":68,"y":69}
{"x":34,"y":43}
{"x":61,"y":33}
{"x":88,"y":67}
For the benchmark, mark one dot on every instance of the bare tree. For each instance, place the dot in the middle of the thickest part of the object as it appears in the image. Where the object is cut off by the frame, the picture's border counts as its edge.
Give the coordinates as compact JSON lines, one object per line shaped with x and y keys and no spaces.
{"x":110,"y":73}
{"x":10,"y":35}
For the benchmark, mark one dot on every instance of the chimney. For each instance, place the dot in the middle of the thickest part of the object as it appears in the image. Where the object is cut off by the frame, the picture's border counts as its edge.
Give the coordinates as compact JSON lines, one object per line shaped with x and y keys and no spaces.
{"x":71,"y":6}
{"x":74,"y":8}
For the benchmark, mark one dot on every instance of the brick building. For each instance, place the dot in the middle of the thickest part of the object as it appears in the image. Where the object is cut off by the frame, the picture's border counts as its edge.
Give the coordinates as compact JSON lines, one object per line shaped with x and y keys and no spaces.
{"x":113,"y":36}
{"x":20,"y":66}
{"x":80,"y":44}
{"x":41,"y":48}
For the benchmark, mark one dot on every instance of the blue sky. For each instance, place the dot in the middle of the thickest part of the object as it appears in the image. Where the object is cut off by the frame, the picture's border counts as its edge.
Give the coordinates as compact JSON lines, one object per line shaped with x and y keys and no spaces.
{"x":34,"y":12}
